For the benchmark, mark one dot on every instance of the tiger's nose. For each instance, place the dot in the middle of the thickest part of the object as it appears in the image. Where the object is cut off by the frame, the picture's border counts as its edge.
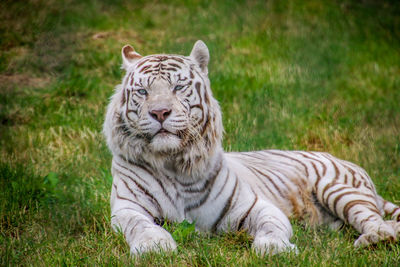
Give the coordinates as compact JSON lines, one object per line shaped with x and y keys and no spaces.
{"x":160,"y":114}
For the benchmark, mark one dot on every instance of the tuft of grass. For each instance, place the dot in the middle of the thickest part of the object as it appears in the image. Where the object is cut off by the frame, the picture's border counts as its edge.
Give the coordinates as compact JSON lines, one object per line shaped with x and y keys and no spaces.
{"x":291,"y":74}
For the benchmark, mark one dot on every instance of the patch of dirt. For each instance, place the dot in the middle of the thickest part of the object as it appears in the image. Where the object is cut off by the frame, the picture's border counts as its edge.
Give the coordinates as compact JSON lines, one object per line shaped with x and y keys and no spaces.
{"x":121,"y":36}
{"x":9,"y":82}
{"x":101,"y":35}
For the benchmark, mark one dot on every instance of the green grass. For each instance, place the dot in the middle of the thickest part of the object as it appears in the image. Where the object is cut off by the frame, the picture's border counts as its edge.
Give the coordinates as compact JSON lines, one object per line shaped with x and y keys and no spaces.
{"x":309,"y":75}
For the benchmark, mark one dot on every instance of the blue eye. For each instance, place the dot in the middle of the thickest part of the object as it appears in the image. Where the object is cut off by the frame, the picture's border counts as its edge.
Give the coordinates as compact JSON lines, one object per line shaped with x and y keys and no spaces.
{"x":142,"y":91}
{"x":178,"y":87}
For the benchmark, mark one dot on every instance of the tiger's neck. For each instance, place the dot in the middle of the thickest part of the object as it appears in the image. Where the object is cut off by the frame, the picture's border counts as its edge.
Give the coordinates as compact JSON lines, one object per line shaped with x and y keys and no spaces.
{"x":184,"y":166}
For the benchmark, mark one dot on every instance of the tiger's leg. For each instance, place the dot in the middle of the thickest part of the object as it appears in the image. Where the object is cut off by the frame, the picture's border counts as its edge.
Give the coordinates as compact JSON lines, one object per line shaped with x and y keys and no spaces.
{"x":270,"y":228}
{"x":136,"y":222}
{"x":370,"y":224}
{"x":359,"y":208}
{"x":141,"y":233}
{"x":393,"y":211}
{"x":390,"y":209}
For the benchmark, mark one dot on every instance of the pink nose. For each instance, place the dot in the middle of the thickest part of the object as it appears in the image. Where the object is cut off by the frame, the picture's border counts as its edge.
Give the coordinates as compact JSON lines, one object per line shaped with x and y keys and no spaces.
{"x":160,"y":114}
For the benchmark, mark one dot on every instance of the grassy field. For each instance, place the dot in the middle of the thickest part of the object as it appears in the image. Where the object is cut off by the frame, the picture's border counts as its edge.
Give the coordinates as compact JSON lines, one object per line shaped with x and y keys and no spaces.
{"x":309,"y":75}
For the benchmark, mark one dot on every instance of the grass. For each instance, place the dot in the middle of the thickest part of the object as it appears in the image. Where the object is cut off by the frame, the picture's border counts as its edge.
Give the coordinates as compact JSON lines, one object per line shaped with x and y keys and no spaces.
{"x":309,"y":75}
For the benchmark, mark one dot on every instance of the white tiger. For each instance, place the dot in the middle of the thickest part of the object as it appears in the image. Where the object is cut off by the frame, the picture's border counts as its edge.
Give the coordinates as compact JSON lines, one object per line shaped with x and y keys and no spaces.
{"x":164,"y":129}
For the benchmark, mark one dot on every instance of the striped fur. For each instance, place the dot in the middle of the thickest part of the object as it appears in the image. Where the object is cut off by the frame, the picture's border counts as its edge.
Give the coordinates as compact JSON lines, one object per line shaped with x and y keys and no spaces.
{"x":164,"y":129}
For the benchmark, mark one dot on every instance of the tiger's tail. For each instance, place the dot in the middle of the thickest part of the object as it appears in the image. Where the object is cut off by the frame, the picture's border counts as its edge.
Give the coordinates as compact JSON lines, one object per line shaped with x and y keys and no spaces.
{"x":390,"y":209}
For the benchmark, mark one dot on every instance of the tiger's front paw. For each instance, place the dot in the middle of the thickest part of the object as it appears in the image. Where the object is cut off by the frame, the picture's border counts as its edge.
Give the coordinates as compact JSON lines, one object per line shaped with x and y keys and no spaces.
{"x":152,"y":239}
{"x":271,"y":244}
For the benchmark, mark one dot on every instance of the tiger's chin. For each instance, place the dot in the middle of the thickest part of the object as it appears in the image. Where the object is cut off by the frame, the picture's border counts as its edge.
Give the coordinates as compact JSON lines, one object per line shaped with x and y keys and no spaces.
{"x":165,"y":143}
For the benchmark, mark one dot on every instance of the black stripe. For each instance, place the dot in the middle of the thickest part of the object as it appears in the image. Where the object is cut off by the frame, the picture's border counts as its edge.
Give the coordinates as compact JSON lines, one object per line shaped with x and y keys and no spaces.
{"x":127,"y":186}
{"x":159,"y":183}
{"x":262,"y":181}
{"x":175,"y":65}
{"x":291,"y":158}
{"x":144,"y":191}
{"x":145,"y":68}
{"x":132,"y":172}
{"x":170,"y":69}
{"x":223,"y":186}
{"x":141,"y":63}
{"x":176,"y":59}
{"x":337,"y":199}
{"x":326,"y":200}
{"x":197,"y":86}
{"x":314,"y":159}
{"x":278,"y":189}
{"x":148,"y":71}
{"x":356,"y":202}
{"x":323,"y":164}
{"x":199,"y":106}
{"x":132,"y":78}
{"x":225,"y":209}
{"x":209,"y":182}
{"x":242,"y":220}
{"x":205,"y":197}
{"x":329,"y":185}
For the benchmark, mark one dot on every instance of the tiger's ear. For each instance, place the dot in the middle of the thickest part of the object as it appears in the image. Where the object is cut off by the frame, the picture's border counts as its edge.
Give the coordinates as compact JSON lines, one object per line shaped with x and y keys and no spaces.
{"x":201,"y":55}
{"x":129,"y":56}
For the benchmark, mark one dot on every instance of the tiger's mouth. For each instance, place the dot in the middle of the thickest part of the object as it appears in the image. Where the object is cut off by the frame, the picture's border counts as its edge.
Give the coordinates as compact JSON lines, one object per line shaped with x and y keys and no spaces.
{"x":163,"y":131}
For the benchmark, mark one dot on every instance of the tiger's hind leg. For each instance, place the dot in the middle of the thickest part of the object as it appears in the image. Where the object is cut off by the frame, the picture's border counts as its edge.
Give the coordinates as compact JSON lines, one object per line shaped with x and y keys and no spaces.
{"x":359,"y":207}
{"x":393,"y":211}
{"x":390,"y":209}
{"x":371,"y":225}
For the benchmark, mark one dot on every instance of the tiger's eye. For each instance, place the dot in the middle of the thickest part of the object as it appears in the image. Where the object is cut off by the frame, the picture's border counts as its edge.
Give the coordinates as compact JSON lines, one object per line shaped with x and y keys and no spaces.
{"x":178,"y":87}
{"x":142,"y":91}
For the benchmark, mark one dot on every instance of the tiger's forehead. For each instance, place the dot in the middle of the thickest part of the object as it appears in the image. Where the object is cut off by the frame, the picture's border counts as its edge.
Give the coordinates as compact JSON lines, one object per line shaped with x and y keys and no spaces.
{"x":171,"y":68}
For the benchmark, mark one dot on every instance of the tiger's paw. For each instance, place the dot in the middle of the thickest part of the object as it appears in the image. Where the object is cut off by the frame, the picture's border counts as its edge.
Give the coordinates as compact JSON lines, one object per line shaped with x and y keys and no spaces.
{"x":385,"y":233}
{"x":153,"y":240}
{"x":273,"y":245}
{"x":396,"y":227}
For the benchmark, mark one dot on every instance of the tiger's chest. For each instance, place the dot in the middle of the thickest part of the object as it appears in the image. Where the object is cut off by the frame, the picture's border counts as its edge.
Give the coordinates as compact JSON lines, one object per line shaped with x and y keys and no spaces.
{"x":212,"y":204}
{"x":194,"y":204}
{"x":163,"y":197}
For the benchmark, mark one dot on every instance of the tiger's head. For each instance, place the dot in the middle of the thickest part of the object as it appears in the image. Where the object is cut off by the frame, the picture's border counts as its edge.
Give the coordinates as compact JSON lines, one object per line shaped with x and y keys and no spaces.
{"x":164,"y":110}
